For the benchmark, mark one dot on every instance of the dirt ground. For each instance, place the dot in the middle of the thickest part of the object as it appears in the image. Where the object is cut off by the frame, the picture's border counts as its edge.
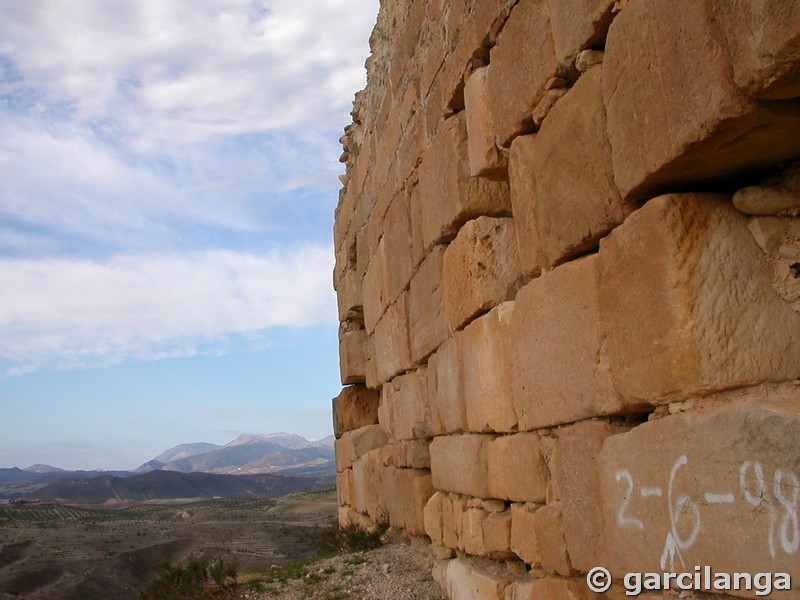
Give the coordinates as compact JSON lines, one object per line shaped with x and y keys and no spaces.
{"x":395,"y":571}
{"x":58,"y":552}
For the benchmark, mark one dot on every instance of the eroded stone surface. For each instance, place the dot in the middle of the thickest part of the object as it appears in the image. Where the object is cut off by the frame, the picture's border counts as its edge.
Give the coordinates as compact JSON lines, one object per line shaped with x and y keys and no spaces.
{"x":715,"y":488}
{"x":685,"y":295}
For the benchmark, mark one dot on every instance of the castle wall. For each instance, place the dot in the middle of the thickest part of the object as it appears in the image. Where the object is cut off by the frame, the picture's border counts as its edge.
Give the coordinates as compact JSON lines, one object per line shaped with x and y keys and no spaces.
{"x":568,"y":276}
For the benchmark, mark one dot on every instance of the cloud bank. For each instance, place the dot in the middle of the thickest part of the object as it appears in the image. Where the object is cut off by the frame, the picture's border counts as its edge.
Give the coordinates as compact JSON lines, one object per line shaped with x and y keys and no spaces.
{"x":168,"y":172}
{"x":67,"y":313}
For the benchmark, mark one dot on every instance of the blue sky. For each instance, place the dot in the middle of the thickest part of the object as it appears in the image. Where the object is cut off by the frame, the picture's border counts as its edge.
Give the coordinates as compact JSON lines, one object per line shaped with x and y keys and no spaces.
{"x":168,"y":175}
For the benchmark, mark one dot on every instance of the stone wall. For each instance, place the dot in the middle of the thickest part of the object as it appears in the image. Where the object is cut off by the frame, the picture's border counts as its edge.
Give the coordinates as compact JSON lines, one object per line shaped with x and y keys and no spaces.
{"x":567,"y":262}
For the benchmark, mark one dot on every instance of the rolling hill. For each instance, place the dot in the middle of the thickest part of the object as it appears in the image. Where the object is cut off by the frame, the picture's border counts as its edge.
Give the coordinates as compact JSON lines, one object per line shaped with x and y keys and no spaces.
{"x":160,"y":485}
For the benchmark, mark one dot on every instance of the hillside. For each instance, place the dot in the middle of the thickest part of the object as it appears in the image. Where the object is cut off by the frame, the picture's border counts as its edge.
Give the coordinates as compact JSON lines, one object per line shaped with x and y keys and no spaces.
{"x":249,"y":454}
{"x":160,"y":485}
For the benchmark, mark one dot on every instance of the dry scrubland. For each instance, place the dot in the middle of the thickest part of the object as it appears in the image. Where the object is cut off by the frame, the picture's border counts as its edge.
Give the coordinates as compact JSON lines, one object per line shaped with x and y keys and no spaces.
{"x":56,"y":552}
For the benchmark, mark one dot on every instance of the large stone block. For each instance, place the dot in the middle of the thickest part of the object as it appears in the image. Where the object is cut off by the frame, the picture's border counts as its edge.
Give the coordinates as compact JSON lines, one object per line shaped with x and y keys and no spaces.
{"x":485,"y":358}
{"x":354,"y":444}
{"x":578,"y":487}
{"x":716,"y":488}
{"x":412,"y":454}
{"x":459,"y":464}
{"x":406,"y":399}
{"x":550,"y":588}
{"x":481,"y":269}
{"x":344,"y":487}
{"x":449,"y":196}
{"x":485,"y":159}
{"x":687,"y":303}
{"x":374,"y":289}
{"x":565,"y":374}
{"x":405,"y":493}
{"x":472,"y":579}
{"x":392,"y":350}
{"x":368,"y":472}
{"x":427,"y":318}
{"x":763,"y":41}
{"x":675,"y":116}
{"x":446,"y":390}
{"x":356,"y":406}
{"x":517,"y":470}
{"x":397,"y":240}
{"x":562,"y":181}
{"x":353,"y":356}
{"x":549,"y":529}
{"x":432,"y":517}
{"x":349,"y":297}
{"x":520,"y":66}
{"x":523,"y":533}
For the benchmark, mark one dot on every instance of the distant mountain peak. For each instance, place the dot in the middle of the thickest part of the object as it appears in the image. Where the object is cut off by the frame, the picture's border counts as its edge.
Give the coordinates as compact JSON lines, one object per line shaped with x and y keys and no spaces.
{"x":281,"y":438}
{"x":40,"y":468}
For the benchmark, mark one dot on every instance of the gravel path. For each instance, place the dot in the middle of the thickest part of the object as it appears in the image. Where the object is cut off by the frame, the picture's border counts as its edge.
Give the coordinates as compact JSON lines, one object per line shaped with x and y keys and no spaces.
{"x":395,"y":571}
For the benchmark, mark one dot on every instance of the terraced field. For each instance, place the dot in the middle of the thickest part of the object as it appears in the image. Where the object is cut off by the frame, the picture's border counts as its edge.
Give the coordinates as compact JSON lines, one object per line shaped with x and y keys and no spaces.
{"x":59,"y":552}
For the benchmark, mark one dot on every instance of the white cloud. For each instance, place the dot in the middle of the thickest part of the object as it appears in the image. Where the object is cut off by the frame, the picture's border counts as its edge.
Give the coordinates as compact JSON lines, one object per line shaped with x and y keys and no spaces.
{"x":65,"y":313}
{"x":183,"y":71}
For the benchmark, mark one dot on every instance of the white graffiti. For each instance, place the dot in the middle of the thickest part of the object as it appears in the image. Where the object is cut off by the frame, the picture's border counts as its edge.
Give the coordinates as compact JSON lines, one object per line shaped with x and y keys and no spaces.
{"x":781,"y":506}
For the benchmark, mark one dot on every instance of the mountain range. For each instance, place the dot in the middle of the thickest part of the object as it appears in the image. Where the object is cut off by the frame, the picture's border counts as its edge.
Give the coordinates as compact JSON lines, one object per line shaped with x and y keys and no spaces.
{"x":249,"y":454}
{"x":275,"y":454}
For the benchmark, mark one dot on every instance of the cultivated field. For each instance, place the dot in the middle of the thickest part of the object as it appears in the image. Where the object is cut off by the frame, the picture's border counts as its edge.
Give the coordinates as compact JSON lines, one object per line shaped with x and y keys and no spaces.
{"x":59,"y":552}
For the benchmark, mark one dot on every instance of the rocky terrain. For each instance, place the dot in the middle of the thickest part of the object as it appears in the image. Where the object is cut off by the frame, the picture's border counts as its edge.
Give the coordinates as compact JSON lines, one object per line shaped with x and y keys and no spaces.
{"x":59,"y":552}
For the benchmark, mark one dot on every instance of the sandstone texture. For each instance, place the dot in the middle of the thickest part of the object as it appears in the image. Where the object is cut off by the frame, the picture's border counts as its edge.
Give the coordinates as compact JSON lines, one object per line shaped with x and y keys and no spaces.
{"x":568,"y":280}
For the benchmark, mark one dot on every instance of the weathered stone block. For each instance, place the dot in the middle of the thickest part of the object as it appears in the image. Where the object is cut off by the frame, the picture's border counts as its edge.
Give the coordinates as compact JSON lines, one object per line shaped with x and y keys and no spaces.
{"x":766,"y":200}
{"x":374,"y":289}
{"x":405,"y":493}
{"x":562,"y":181}
{"x":433,"y":515}
{"x":352,"y":356}
{"x":471,"y":539}
{"x":497,"y":535}
{"x":454,"y":509}
{"x":687,"y":303}
{"x":517,"y":470}
{"x":344,"y":487}
{"x":427,"y":318}
{"x":565,"y":375}
{"x":397,"y":240}
{"x":577,"y":25}
{"x":471,"y":579}
{"x":356,"y":406}
{"x":485,"y":358}
{"x":392,"y":349}
{"x":520,"y":65}
{"x":549,"y":529}
{"x":368,"y":472}
{"x":349,"y":300}
{"x":674,"y":114}
{"x":413,"y":454}
{"x":716,"y":488}
{"x":406,"y":399}
{"x":449,"y":196}
{"x":549,"y":588}
{"x":578,"y":488}
{"x":481,"y":269}
{"x":459,"y":464}
{"x":446,"y":390}
{"x":763,"y":41}
{"x":356,"y":443}
{"x":523,"y":533}
{"x":485,"y":159}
